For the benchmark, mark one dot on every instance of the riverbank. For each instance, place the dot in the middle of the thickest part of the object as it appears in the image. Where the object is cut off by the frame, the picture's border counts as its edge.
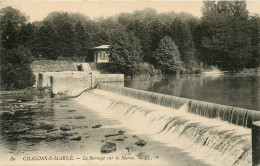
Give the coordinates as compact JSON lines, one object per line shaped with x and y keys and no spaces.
{"x":246,"y":72}
{"x":30,"y":91}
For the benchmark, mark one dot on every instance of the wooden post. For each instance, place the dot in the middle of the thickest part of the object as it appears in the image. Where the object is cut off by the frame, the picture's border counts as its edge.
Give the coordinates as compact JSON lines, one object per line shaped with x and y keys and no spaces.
{"x":256,"y":143}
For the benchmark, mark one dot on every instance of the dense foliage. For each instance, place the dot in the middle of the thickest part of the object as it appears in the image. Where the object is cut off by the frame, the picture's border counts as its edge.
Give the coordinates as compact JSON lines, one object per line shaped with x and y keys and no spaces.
{"x":144,"y":41}
{"x":227,"y":38}
{"x":15,"y":68}
{"x":15,"y":57}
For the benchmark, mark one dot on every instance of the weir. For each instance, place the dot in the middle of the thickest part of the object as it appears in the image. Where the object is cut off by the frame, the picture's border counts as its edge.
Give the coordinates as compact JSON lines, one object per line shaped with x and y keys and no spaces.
{"x":238,"y":116}
{"x":214,"y":141}
{"x":215,"y":133}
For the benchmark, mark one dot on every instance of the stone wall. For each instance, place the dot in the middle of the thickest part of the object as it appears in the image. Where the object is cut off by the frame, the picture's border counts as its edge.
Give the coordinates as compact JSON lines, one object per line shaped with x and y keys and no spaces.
{"x":70,"y":85}
{"x":36,"y":74}
{"x":73,"y":85}
{"x":44,"y":78}
{"x":107,"y":78}
{"x":64,"y":77}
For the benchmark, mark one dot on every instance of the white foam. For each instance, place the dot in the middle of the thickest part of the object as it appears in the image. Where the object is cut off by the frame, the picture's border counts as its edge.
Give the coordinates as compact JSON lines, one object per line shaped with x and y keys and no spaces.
{"x":211,"y":140}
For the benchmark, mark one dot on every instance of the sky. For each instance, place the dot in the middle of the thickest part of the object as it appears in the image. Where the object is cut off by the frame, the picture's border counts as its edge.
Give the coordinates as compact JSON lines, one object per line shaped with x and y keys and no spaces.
{"x":37,"y":10}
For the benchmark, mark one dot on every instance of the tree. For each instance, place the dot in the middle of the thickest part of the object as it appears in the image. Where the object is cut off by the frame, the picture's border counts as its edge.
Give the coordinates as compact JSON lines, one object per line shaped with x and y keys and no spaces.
{"x":11,"y":21}
{"x":64,"y":34}
{"x":254,"y":34}
{"x":225,"y":40}
{"x":157,"y":33}
{"x":126,"y":50}
{"x":15,"y":68}
{"x":180,"y":32}
{"x":140,"y":23}
{"x":167,"y":56}
{"x":81,"y":44}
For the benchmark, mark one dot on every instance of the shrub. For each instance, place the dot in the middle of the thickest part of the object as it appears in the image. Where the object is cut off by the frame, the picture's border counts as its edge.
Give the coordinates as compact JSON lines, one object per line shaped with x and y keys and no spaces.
{"x":145,"y":68}
{"x":15,"y":68}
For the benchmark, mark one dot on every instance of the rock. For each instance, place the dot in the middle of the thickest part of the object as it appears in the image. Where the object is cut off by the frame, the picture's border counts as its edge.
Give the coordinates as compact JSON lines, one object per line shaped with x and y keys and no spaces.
{"x":66,"y":134}
{"x":76,"y":138}
{"x":79,"y":117}
{"x":111,"y":135}
{"x":10,"y":100}
{"x":119,"y":139}
{"x":34,"y":138}
{"x":143,"y":156}
{"x":25,"y":100}
{"x":64,"y":105}
{"x":65,"y":128}
{"x":108,"y":147}
{"x":78,"y":127}
{"x":54,"y":137}
{"x":121,"y":132}
{"x":41,"y":101}
{"x":46,"y":126}
{"x":130,"y":149}
{"x":96,"y":126}
{"x":52,"y":130}
{"x":141,"y":143}
{"x":71,"y":110}
{"x":135,"y":136}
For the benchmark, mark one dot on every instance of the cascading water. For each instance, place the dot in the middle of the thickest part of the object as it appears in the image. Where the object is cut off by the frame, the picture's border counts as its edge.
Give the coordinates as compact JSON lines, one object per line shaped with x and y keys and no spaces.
{"x":234,"y":115}
{"x":211,"y":140}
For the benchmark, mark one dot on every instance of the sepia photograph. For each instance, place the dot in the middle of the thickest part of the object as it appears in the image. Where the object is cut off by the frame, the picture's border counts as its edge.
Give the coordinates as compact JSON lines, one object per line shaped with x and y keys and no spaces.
{"x":128,"y":82}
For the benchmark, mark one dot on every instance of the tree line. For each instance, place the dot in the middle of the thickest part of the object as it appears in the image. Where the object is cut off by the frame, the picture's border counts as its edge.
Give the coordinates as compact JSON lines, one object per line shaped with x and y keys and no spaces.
{"x":143,"y":41}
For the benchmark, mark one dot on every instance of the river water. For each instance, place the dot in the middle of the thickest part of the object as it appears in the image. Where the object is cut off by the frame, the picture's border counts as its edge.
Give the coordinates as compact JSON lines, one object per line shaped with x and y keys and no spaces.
{"x":33,"y":127}
{"x":38,"y":130}
{"x":232,"y":90}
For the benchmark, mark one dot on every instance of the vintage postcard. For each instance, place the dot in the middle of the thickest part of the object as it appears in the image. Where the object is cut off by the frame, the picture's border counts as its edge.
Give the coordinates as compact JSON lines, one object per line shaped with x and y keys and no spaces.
{"x":144,"y":83}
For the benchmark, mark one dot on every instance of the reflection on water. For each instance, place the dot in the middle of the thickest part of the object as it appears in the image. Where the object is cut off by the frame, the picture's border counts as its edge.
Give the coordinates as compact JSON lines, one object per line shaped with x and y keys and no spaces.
{"x":239,"y":91}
